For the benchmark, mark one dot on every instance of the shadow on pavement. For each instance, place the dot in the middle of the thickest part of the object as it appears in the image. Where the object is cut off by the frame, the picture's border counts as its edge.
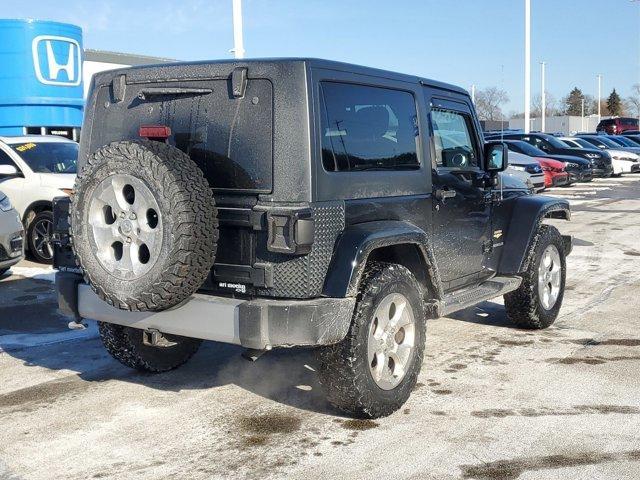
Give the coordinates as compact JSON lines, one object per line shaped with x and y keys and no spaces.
{"x":285,"y":376}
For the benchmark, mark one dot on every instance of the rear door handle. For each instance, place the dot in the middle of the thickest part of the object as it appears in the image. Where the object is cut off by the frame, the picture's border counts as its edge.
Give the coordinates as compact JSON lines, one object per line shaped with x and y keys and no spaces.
{"x":442,"y":195}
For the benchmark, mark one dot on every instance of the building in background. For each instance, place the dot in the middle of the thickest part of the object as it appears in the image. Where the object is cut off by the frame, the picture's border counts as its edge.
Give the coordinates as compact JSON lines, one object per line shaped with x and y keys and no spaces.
{"x":44,"y":76}
{"x":567,"y":124}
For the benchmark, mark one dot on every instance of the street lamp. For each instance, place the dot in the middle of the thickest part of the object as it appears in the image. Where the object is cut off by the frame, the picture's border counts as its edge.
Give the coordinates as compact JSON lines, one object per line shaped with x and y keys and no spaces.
{"x":238,"y":43}
{"x":543,"y":107}
{"x":527,"y":64}
{"x":599,"y":95}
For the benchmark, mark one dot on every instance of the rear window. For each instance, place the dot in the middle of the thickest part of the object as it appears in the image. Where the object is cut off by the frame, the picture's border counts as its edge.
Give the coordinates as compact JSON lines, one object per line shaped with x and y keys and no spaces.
{"x":48,"y":157}
{"x":367,"y":128}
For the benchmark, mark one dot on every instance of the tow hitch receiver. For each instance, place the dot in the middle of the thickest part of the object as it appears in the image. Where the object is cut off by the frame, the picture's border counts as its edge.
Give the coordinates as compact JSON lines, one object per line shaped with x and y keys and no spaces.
{"x":155,"y":338}
{"x":253,"y":354}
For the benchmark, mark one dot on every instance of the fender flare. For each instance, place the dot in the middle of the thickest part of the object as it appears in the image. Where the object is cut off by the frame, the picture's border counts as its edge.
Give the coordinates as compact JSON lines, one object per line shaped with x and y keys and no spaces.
{"x":526,"y":217}
{"x":356,"y":243}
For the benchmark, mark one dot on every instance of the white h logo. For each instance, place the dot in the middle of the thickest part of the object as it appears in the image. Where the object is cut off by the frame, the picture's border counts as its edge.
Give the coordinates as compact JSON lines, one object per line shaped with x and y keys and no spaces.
{"x":51,"y":75}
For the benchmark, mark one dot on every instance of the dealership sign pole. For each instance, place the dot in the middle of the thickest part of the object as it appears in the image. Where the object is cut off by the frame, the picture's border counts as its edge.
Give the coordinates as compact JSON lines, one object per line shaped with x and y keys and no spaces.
{"x":527,"y":64}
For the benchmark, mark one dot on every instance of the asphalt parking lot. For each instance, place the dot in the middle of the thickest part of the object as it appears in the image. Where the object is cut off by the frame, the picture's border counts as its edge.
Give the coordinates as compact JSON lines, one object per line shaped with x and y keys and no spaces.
{"x":492,"y":402}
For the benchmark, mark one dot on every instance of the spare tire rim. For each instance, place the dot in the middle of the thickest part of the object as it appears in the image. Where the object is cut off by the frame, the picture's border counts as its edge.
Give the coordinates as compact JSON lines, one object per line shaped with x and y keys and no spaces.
{"x":392,"y":336}
{"x":126,"y":224}
{"x":549,"y":277}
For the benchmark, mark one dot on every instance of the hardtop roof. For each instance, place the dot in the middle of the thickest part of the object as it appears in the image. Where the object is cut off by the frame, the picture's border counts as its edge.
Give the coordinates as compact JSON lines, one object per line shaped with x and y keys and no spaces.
{"x":319,"y":63}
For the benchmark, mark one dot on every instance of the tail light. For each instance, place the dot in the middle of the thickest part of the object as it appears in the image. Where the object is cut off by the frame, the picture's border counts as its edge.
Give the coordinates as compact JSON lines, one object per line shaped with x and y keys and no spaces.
{"x":155,"y":132}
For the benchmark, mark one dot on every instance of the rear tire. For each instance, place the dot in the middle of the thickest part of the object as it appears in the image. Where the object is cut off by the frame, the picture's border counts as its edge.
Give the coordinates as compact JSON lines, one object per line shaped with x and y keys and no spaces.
{"x":355,"y":381}
{"x":144,"y":225}
{"x":536,"y":303}
{"x":125,"y":345}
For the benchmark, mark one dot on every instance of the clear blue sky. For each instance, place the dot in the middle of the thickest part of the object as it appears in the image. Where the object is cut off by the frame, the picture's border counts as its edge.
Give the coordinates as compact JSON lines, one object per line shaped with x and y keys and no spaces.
{"x":463,"y":42}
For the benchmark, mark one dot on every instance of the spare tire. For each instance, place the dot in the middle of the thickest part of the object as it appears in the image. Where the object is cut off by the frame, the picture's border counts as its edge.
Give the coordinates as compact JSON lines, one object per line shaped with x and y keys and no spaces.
{"x":144,"y":225}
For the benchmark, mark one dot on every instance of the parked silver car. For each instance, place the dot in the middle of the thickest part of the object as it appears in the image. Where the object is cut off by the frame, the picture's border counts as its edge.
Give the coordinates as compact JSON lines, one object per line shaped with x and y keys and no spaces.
{"x":11,"y":235}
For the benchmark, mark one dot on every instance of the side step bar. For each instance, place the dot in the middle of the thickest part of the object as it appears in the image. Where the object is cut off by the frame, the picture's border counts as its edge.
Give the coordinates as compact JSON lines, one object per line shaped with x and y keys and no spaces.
{"x":468,"y":297}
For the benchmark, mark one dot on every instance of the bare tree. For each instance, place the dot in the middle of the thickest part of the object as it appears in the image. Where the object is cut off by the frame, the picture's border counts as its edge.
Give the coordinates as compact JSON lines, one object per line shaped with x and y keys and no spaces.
{"x":633,"y":101}
{"x":489,"y":102}
{"x":551,"y":106}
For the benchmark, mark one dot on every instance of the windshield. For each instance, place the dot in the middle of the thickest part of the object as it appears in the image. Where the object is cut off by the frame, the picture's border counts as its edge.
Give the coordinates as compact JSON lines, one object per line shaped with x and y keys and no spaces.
{"x":610,"y":143}
{"x":554,"y":141}
{"x":528,"y":149}
{"x":582,"y":143}
{"x":600,"y":142}
{"x":48,"y":157}
{"x":624,"y":141}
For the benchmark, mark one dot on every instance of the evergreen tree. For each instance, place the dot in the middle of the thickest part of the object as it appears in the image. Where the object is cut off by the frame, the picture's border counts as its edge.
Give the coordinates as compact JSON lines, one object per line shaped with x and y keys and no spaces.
{"x":614,"y":104}
{"x":573,"y":102}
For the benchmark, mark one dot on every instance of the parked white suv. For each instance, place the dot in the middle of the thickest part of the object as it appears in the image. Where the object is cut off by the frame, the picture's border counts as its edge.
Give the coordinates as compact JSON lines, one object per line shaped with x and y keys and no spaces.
{"x":34,"y":170}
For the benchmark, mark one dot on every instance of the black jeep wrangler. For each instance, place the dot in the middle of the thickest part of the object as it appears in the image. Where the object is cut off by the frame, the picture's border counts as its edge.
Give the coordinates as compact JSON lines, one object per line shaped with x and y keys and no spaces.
{"x":296,"y":202}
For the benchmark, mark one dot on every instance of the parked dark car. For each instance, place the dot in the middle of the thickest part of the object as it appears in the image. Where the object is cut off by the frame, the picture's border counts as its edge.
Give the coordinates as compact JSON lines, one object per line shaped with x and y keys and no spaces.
{"x":601,"y":161}
{"x":617,"y":125}
{"x":617,"y":142}
{"x":296,"y":202}
{"x":635,"y":136}
{"x":579,"y":169}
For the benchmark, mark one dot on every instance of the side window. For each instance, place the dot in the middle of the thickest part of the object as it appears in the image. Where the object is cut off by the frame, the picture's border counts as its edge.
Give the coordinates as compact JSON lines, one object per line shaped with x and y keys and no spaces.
{"x":452,"y":138}
{"x":5,"y":159}
{"x":367,"y":128}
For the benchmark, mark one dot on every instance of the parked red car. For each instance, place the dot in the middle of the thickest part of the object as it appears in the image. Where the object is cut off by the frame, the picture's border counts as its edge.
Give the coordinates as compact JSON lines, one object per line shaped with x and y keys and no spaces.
{"x":617,"y":125}
{"x":555,"y":174}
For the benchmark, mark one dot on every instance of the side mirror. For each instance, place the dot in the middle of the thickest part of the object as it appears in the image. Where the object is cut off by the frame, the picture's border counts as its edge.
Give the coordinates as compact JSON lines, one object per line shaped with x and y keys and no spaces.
{"x":497,"y":156}
{"x":8,"y":171}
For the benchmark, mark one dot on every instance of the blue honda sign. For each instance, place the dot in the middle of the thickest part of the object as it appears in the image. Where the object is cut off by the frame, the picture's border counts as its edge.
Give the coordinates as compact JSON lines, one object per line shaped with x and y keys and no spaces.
{"x":57,"y":60}
{"x":40,"y":77}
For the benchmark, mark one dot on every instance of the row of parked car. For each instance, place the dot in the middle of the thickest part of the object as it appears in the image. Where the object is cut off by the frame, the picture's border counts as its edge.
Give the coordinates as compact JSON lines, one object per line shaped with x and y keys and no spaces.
{"x":548,"y":160}
{"x":33,"y":171}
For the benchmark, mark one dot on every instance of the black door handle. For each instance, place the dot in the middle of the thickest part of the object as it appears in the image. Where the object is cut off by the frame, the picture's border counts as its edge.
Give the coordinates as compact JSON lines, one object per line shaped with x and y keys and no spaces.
{"x":444,"y":194}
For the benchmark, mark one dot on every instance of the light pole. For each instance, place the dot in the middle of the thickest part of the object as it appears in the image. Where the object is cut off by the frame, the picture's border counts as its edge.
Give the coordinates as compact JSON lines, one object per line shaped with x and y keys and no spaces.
{"x":582,"y":114}
{"x":543,"y":107}
{"x":527,"y":64}
{"x":599,"y":94}
{"x":238,"y":43}
{"x":473,"y":94}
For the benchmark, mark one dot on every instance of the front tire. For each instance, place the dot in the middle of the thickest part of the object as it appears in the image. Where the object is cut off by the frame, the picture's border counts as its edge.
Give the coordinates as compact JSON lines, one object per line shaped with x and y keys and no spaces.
{"x":126,"y":345}
{"x":536,"y":303}
{"x":372,"y":372}
{"x":39,"y":235}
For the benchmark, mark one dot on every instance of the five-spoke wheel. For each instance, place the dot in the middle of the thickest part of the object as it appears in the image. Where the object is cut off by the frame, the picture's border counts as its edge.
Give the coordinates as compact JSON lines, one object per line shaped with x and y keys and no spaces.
{"x":126,"y":224}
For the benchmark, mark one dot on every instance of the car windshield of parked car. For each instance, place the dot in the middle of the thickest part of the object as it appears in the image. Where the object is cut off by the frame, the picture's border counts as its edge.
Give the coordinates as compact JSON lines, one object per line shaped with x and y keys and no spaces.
{"x":623,"y":141}
{"x":582,"y":143}
{"x":528,"y":149}
{"x":48,"y":157}
{"x":610,"y":142}
{"x":554,"y":142}
{"x":599,"y":142}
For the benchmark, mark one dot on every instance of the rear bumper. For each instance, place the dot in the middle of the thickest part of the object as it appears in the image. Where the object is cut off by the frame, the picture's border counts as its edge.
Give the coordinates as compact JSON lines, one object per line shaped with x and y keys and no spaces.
{"x":258,"y":323}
